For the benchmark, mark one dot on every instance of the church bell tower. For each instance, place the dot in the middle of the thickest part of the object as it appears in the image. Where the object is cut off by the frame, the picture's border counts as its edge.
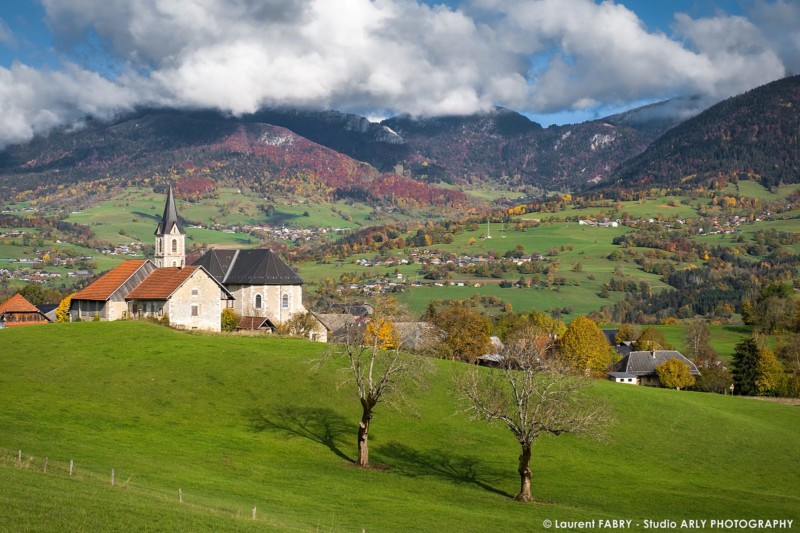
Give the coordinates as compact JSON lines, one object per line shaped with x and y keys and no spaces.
{"x":170,"y":238}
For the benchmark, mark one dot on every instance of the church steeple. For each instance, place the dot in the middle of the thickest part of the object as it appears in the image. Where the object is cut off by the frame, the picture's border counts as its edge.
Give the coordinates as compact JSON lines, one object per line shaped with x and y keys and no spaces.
{"x":170,"y":238}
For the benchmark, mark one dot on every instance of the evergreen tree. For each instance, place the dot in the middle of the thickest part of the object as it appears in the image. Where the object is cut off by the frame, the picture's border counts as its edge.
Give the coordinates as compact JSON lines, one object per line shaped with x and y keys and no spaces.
{"x":746,"y":367}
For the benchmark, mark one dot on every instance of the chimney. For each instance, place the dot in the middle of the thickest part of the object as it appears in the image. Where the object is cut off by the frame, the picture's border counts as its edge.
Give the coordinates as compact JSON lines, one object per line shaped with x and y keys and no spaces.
{"x":653,"y":354}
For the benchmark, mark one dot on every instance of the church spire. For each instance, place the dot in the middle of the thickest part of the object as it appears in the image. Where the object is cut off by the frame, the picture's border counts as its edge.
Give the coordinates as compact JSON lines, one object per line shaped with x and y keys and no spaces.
{"x":170,"y":238}
{"x":169,"y":217}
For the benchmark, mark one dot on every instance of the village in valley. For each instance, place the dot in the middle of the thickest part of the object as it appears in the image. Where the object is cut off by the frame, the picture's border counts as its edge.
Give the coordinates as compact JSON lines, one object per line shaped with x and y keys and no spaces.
{"x":399,"y":266}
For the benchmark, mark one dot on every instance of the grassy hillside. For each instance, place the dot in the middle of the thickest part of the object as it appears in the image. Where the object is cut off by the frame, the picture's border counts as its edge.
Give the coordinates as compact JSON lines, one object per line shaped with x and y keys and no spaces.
{"x":241,"y":422}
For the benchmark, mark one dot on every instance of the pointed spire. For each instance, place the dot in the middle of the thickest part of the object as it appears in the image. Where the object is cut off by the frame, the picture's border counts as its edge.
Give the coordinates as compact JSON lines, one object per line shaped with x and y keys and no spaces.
{"x":169,"y":217}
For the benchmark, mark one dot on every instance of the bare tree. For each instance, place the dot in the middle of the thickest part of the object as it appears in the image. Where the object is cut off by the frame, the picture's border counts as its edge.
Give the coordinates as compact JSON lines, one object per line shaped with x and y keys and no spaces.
{"x":531,"y":400}
{"x":698,"y":341}
{"x":377,"y":366}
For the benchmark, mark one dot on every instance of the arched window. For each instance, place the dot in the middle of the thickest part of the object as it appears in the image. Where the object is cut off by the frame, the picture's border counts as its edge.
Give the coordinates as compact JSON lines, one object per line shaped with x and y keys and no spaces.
{"x":174,"y":246}
{"x":285,"y":301}
{"x":258,"y":301}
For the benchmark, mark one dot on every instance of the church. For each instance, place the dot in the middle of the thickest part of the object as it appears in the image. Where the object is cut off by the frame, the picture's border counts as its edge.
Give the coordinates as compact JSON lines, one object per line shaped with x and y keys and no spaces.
{"x":256,"y":284}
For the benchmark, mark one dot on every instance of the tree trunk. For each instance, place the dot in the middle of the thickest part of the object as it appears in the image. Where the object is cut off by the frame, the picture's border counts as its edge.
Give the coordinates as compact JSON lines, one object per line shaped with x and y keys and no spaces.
{"x":524,"y":475}
{"x":363,"y":434}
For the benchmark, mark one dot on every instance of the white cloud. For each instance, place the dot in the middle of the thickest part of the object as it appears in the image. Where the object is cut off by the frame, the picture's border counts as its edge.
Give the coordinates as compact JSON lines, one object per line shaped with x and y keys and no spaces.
{"x":394,"y":56}
{"x":6,"y":35}
{"x":33,"y":101}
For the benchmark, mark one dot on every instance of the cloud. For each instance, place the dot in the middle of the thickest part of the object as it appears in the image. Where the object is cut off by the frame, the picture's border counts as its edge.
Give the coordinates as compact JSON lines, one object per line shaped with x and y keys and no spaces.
{"x":391,"y":56}
{"x":6,"y":35}
{"x":779,"y":23}
{"x":33,"y":101}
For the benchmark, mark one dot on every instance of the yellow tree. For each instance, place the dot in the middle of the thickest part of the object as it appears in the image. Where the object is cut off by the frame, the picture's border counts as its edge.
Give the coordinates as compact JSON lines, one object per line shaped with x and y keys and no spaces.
{"x":675,"y":374}
{"x":62,"y":311}
{"x":584,"y":348}
{"x":771,"y":378}
{"x":381,"y":331}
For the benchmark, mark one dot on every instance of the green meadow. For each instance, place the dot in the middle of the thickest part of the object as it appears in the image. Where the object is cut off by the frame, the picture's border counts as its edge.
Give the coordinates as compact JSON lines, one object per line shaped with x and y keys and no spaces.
{"x":237,"y":423}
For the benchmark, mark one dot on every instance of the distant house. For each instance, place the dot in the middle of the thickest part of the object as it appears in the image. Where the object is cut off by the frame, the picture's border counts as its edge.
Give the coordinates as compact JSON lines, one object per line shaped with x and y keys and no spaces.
{"x":18,"y":311}
{"x":105,"y":297}
{"x":622,"y":348}
{"x":417,"y":335}
{"x":639,"y":368}
{"x":189,"y":296}
{"x":49,"y":310}
{"x":337,"y":327}
{"x":495,"y":357}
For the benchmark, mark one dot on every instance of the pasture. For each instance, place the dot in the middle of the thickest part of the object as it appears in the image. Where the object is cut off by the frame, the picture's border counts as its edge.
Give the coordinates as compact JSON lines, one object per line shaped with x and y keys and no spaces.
{"x":243,"y":422}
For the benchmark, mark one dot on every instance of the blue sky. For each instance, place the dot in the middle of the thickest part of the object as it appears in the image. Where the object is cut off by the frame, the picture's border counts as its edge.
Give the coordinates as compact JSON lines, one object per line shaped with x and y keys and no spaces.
{"x":557,"y":61}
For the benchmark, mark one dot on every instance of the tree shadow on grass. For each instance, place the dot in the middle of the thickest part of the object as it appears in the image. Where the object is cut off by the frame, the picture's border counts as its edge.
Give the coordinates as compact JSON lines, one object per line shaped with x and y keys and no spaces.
{"x":450,"y":466}
{"x":323,"y":426}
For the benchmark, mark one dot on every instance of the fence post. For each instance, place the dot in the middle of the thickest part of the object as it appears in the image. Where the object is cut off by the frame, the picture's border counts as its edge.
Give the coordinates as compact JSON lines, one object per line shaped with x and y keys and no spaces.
{"x":254,"y":513}
{"x":112,"y":477}
{"x":180,"y":496}
{"x":19,"y":458}
{"x":71,"y":465}
{"x":45,"y":464}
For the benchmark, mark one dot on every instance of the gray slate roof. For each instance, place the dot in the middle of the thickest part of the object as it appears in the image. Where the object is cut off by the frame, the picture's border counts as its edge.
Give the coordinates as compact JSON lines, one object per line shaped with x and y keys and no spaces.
{"x":169,"y":217}
{"x":645,"y":363}
{"x":611,"y":336}
{"x":248,"y":267}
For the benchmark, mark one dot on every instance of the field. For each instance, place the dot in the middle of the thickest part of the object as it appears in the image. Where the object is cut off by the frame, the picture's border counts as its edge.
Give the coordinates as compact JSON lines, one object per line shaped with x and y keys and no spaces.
{"x":241,"y":422}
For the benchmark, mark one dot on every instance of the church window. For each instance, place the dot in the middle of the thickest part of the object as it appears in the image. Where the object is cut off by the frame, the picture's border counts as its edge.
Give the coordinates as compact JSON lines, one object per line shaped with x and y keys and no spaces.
{"x":285,"y":301}
{"x":174,"y":246}
{"x":258,"y":301}
{"x":160,"y":245}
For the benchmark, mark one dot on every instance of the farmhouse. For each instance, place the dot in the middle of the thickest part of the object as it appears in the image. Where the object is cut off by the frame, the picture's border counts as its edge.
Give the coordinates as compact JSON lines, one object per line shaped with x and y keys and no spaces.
{"x":105,"y":297}
{"x":189,"y":296}
{"x":18,"y":311}
{"x":639,"y":368}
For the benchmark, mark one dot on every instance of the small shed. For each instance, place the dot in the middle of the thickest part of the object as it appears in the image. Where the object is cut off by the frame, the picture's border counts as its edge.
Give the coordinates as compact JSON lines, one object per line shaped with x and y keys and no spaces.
{"x":18,"y":311}
{"x":623,"y":377}
{"x":255,"y":323}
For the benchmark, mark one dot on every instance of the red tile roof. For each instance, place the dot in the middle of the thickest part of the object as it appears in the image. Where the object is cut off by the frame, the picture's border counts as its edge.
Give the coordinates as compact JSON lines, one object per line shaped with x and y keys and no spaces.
{"x":161,"y":283}
{"x":18,"y":304}
{"x":103,"y":288}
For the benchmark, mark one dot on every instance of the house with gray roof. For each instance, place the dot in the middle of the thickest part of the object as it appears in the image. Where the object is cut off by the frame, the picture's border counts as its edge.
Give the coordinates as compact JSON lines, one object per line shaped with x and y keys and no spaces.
{"x":639,"y":368}
{"x":263,"y":285}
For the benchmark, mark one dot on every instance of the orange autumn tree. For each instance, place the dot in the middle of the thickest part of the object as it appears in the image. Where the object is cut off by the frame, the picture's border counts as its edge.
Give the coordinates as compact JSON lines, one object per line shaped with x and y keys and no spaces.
{"x":382,"y":333}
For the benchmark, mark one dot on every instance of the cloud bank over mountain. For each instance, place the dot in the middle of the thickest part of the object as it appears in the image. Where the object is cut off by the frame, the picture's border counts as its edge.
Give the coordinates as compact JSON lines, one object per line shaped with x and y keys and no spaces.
{"x":383,"y":57}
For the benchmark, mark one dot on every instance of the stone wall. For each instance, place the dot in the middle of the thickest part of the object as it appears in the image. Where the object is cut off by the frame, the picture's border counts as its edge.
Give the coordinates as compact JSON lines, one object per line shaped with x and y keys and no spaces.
{"x":272,"y":305}
{"x":201,"y":292}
